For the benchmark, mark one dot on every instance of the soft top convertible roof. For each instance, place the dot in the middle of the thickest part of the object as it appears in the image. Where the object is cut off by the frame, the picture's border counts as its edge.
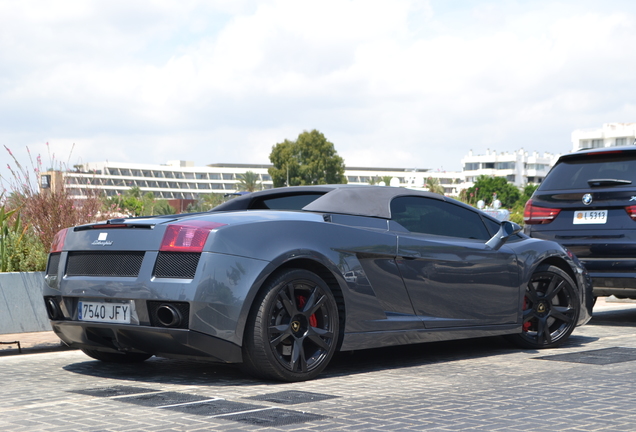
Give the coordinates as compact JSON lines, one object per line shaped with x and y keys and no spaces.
{"x":374,"y":201}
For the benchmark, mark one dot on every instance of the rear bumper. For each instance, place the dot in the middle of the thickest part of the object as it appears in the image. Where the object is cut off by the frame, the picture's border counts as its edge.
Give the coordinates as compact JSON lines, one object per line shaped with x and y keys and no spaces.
{"x":162,"y":342}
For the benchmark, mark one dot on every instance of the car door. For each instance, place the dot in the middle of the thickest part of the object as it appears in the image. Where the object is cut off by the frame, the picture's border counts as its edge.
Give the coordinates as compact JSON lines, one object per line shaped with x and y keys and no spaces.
{"x":452,"y":277}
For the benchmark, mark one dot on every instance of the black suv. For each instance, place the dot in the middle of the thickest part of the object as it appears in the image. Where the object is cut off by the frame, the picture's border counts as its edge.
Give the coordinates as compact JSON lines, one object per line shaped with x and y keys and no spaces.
{"x":587,"y":202}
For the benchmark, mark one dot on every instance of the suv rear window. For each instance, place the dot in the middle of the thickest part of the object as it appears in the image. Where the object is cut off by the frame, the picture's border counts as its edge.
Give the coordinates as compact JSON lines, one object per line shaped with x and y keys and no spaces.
{"x":574,"y":173}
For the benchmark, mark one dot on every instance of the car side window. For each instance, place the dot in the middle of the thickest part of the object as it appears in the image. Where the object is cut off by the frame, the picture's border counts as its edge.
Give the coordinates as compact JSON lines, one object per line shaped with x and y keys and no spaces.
{"x":492,"y":226}
{"x":431,"y":216}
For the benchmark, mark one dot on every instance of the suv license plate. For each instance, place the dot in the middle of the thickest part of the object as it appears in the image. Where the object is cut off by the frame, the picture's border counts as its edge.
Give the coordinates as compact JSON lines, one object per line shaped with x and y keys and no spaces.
{"x":590,"y":217}
{"x":104,"y":312}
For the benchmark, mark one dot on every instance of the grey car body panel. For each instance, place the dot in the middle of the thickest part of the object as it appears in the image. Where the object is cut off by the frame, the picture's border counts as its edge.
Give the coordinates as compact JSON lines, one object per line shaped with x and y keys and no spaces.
{"x":371,"y":259}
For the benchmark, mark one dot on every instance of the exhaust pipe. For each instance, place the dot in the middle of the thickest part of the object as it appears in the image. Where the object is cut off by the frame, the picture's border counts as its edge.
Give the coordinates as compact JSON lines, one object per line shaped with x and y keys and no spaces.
{"x":53,"y":309}
{"x":169,"y":316}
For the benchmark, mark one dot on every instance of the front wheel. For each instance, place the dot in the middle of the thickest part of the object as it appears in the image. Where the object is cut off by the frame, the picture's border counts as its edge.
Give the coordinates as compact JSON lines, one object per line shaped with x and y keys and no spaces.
{"x":292,"y":331}
{"x":551,"y":309}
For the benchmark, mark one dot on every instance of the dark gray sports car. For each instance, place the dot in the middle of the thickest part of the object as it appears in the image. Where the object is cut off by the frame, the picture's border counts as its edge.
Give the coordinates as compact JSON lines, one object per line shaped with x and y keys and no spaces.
{"x":281,"y":279}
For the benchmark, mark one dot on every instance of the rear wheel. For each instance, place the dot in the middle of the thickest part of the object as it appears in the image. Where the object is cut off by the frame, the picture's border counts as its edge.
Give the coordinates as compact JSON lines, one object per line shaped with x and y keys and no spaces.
{"x":111,"y":357}
{"x":550,"y":309}
{"x":292,"y":331}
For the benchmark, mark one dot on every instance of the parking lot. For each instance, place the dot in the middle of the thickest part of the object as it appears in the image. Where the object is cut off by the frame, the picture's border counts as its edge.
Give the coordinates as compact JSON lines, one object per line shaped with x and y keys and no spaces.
{"x":483,"y":384}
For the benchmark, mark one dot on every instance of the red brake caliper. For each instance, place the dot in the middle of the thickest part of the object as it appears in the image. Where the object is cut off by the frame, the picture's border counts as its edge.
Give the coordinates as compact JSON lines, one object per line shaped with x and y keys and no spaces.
{"x":527,"y":324}
{"x":301,"y":303}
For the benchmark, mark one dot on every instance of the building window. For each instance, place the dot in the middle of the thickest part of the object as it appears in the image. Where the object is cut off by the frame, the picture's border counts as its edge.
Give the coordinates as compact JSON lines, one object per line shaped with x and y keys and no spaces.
{"x":471,"y":166}
{"x":505,"y":165}
{"x":228,"y":176}
{"x":510,"y":178}
{"x":488,"y":165}
{"x":622,"y":141}
{"x":597,"y":143}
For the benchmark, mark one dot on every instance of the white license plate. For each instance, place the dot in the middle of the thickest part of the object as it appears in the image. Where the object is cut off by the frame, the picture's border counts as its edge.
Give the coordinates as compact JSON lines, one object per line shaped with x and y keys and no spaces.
{"x":104,"y":312}
{"x":590,"y":217}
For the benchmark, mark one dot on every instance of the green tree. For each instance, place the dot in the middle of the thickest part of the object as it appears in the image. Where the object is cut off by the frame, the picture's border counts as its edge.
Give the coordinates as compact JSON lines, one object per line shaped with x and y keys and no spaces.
{"x":434,"y":186}
{"x":516,"y":214}
{"x":249,"y":182}
{"x":206,"y":202}
{"x":310,"y":160}
{"x":134,"y":202}
{"x":485,"y":187}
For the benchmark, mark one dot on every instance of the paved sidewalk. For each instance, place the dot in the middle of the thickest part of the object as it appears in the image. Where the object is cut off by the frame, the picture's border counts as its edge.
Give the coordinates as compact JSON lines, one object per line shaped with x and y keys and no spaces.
{"x":30,"y":343}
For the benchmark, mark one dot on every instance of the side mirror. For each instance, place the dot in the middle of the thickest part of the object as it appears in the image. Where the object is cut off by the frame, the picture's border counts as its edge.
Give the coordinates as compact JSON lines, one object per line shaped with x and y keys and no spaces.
{"x":506,"y":230}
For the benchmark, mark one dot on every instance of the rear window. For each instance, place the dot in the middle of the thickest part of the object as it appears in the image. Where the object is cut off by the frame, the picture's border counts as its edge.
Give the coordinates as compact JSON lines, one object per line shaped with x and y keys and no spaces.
{"x":575,"y":173}
{"x":290,"y":202}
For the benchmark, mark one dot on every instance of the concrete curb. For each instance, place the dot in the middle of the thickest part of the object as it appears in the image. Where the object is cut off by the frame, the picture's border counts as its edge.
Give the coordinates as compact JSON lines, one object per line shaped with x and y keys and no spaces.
{"x":30,"y":343}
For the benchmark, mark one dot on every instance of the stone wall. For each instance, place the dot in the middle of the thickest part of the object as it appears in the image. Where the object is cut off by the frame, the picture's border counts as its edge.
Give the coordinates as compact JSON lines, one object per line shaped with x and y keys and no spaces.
{"x":21,"y":306}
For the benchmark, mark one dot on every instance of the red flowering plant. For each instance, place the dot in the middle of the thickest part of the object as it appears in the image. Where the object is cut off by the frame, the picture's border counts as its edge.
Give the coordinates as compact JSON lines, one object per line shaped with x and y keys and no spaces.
{"x":45,"y":210}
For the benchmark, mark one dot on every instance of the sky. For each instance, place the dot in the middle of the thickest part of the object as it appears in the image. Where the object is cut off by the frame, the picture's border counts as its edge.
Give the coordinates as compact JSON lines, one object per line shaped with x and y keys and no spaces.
{"x":400,"y":83}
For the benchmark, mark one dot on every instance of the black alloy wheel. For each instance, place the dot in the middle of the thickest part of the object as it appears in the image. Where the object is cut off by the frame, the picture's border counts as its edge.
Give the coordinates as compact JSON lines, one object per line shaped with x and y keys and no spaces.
{"x":113,"y":357}
{"x":551,"y":309}
{"x":292,"y":331}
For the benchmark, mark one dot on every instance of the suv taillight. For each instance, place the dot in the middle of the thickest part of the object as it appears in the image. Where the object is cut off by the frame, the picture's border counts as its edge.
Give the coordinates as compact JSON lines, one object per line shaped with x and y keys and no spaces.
{"x":631,"y":211}
{"x":533,"y":215}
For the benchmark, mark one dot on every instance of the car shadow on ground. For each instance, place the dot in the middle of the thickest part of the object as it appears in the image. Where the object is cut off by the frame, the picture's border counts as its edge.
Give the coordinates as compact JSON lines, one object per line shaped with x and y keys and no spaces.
{"x":623,"y":318}
{"x":185,"y":372}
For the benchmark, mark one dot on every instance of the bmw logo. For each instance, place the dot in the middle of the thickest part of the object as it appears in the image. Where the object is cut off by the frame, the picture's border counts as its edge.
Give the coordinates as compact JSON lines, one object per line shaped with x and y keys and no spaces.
{"x":587,"y":199}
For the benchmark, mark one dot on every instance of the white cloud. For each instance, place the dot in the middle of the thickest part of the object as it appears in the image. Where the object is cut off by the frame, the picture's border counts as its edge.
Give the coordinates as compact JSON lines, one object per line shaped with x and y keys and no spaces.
{"x":410,"y":84}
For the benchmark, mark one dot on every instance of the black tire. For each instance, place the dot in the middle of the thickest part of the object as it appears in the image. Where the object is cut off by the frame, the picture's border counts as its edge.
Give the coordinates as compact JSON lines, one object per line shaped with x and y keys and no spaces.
{"x":551,"y":309}
{"x":111,"y":357}
{"x":292,"y":331}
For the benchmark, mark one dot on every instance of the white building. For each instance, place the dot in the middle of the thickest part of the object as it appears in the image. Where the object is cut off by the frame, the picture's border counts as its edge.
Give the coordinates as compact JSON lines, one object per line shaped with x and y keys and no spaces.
{"x":610,"y":135}
{"x":518,"y":168}
{"x":184,"y":181}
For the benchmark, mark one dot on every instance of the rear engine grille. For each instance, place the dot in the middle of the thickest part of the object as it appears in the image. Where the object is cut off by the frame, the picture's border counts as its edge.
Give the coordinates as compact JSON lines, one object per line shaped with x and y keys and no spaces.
{"x":182,"y":307}
{"x":54,"y":262}
{"x":118,"y":264}
{"x":182,"y":265}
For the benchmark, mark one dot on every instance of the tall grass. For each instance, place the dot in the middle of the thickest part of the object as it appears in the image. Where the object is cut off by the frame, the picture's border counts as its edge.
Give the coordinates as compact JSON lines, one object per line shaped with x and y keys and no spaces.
{"x":45,"y":212}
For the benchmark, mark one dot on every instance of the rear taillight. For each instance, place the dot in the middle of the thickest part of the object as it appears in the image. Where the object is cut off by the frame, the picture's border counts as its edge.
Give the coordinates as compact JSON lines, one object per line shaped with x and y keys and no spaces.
{"x":631,"y":211}
{"x":189,"y":236}
{"x":533,"y":215}
{"x":58,"y":241}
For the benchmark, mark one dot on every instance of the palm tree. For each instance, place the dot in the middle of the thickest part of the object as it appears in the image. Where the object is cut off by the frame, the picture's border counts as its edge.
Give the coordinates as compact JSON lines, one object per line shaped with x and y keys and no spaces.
{"x":386,"y":179}
{"x":433,"y":185}
{"x":248,"y":182}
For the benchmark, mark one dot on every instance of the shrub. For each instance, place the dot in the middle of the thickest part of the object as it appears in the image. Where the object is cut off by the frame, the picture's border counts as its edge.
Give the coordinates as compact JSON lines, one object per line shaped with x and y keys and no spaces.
{"x":44,"y":212}
{"x":20,"y":248}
